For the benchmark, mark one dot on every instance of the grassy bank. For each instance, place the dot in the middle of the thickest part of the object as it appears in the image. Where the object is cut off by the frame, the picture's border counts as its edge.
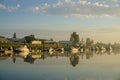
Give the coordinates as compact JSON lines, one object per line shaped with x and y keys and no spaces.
{"x":32,"y":46}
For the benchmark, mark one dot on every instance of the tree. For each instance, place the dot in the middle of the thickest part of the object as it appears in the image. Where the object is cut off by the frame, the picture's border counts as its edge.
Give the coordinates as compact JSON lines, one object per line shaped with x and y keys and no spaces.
{"x":74,"y":38}
{"x":29,"y":38}
{"x":14,"y":35}
{"x":89,"y":42}
{"x":51,"y":39}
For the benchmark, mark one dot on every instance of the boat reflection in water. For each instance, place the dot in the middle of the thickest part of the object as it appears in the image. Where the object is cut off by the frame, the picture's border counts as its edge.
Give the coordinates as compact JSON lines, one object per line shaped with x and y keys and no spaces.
{"x":27,"y":57}
{"x":73,"y":56}
{"x":22,"y":54}
{"x":30,"y":58}
{"x":89,"y":65}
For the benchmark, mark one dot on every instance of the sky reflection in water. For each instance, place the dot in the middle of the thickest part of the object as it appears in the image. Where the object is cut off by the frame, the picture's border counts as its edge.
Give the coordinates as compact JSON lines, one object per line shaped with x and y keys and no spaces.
{"x":83,"y":66}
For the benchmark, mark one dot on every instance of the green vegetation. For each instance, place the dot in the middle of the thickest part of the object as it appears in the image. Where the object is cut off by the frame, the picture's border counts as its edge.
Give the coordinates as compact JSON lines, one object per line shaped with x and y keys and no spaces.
{"x":29,"y":38}
{"x":32,"y":46}
{"x":74,"y":38}
{"x":89,"y":42}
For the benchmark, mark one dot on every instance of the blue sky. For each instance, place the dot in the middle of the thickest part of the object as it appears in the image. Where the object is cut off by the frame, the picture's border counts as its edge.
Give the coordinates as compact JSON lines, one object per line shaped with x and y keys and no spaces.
{"x":98,"y":19}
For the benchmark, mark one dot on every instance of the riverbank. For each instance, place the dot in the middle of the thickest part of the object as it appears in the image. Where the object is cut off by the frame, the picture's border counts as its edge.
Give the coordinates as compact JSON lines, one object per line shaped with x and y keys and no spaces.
{"x":32,"y":46}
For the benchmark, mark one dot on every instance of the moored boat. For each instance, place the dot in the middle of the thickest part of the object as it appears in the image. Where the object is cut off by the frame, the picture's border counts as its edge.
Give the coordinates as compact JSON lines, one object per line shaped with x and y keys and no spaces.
{"x":22,"y":49}
{"x":74,"y":50}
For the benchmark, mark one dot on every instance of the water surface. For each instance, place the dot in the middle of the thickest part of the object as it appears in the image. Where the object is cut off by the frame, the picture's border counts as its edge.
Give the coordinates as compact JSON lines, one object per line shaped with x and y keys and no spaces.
{"x":62,"y":66}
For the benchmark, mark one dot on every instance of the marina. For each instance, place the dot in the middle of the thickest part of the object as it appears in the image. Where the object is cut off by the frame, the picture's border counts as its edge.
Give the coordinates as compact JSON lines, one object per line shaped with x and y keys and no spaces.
{"x":59,"y":40}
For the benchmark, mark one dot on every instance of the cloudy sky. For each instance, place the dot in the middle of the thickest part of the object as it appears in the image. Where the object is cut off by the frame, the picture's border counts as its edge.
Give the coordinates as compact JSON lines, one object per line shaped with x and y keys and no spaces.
{"x":57,"y":19}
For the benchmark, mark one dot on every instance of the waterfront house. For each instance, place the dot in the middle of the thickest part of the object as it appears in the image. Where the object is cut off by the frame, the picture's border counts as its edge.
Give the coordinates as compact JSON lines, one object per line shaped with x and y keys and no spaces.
{"x":17,"y":39}
{"x":49,"y":42}
{"x":65,"y":42}
{"x":36,"y":42}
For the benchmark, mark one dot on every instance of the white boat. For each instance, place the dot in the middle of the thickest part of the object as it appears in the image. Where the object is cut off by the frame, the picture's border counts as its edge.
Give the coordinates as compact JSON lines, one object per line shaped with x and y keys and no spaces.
{"x":74,"y":50}
{"x":102,"y":49}
{"x":48,"y":50}
{"x":22,"y":49}
{"x":51,"y":50}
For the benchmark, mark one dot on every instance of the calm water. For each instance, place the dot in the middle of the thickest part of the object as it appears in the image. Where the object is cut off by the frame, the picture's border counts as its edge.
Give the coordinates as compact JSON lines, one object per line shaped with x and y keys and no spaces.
{"x":61,"y":66}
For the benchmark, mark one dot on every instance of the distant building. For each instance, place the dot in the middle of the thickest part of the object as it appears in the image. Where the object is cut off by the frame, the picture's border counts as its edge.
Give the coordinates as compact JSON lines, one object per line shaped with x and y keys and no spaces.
{"x":17,"y":39}
{"x":49,"y":42}
{"x":36,"y":42}
{"x":65,"y":42}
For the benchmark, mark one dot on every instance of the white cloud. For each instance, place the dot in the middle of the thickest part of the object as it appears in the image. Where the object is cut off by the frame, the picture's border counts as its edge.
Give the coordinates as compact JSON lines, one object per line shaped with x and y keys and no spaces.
{"x":13,"y":8}
{"x":98,"y":4}
{"x":106,"y":6}
{"x":59,"y":3}
{"x":2,"y":6}
{"x":35,"y":9}
{"x":111,"y":0}
{"x":10,"y":8}
{"x":42,"y":7}
{"x":18,"y":5}
{"x":83,"y":2}
{"x":117,"y":5}
{"x":68,"y":1}
{"x":114,"y":0}
{"x":45,"y":6}
{"x":79,"y":8}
